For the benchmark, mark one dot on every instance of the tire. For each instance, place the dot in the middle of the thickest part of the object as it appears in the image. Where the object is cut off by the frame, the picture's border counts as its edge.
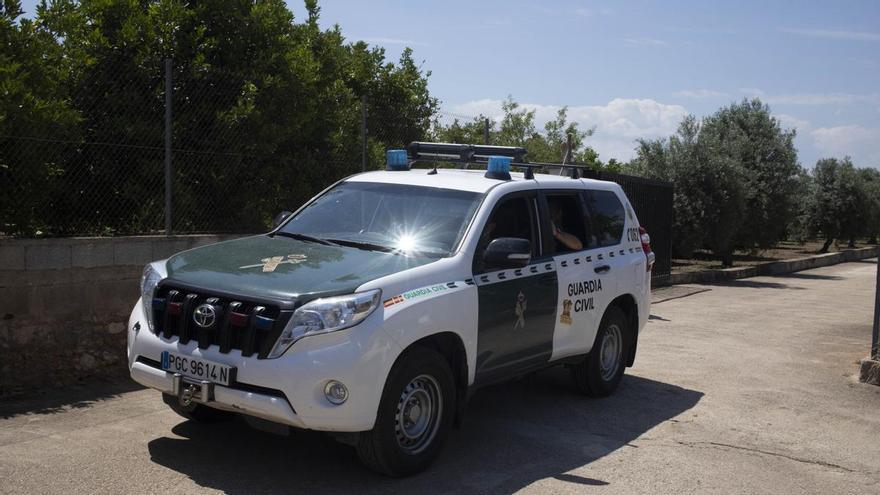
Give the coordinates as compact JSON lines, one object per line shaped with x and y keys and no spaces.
{"x":421,"y":386}
{"x":196,"y":412}
{"x":599,"y":374}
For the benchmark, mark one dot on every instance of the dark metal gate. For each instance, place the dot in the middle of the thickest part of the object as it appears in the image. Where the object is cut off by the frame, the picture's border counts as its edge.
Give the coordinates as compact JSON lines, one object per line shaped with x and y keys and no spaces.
{"x":652,"y":200}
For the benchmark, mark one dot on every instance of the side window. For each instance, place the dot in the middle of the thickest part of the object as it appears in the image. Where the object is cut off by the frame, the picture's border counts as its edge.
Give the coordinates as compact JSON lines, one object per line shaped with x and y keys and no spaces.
{"x":567,"y":222}
{"x":607,"y":217}
{"x":512,"y":217}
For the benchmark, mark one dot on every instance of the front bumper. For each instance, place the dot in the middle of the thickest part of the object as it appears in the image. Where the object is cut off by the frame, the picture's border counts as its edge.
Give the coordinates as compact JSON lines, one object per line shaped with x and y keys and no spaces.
{"x":268,"y":407}
{"x":290,"y":388}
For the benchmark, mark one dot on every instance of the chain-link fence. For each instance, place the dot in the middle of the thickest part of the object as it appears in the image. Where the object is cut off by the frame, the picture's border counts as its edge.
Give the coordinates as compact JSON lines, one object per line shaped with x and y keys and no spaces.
{"x":181,"y":150}
{"x":100,"y":167}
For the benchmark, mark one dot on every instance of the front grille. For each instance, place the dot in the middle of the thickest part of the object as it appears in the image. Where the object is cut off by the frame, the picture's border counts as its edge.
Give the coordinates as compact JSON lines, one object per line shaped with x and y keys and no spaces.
{"x":248,"y":325}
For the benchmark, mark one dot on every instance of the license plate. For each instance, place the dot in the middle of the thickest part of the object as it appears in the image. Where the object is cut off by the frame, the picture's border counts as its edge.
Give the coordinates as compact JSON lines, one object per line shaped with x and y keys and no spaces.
{"x":200,"y":369}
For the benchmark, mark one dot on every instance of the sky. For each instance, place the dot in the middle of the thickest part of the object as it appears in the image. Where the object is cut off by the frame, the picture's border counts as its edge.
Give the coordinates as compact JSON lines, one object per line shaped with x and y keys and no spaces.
{"x":633,"y":69}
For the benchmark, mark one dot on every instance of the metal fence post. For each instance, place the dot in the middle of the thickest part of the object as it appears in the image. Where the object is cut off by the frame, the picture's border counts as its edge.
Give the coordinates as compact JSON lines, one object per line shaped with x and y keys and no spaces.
{"x":364,"y":133}
{"x":875,"y":337}
{"x":485,"y":131}
{"x":168,"y":89}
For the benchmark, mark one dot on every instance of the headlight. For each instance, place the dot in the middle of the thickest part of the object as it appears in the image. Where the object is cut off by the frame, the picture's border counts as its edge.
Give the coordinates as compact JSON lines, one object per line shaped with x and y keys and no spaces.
{"x":149,"y":280}
{"x":326,"y":315}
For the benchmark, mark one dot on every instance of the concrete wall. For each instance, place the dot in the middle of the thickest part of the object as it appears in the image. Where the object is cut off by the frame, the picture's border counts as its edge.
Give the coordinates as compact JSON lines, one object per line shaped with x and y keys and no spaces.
{"x":64,"y":304}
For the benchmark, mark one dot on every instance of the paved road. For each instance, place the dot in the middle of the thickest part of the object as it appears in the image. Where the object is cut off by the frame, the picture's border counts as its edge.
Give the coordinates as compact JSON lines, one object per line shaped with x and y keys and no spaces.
{"x":746,"y":387}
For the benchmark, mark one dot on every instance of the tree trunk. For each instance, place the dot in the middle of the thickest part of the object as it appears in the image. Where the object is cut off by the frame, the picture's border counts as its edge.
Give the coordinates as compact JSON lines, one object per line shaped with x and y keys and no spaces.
{"x":727,"y":259}
{"x":826,"y":245}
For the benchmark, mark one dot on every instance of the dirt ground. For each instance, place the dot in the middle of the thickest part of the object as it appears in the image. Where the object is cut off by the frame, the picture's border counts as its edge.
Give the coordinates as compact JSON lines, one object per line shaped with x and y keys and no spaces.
{"x":785,"y":250}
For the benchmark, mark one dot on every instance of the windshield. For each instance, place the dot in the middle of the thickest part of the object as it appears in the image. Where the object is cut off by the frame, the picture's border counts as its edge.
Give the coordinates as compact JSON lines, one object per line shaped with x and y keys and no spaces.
{"x":393,"y":217}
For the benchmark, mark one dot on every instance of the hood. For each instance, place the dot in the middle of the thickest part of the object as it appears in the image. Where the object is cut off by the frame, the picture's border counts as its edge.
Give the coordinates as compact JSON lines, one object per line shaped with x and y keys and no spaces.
{"x":281,"y":268}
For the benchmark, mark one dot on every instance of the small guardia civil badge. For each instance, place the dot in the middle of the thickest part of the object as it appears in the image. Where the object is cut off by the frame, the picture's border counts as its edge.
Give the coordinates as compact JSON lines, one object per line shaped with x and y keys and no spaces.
{"x":520,"y":310}
{"x":270,"y":264}
{"x":565,"y":317}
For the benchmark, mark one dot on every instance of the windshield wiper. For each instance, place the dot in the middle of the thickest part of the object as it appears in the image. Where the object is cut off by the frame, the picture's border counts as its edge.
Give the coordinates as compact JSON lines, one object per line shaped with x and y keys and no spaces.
{"x":369,"y":246}
{"x":307,"y":238}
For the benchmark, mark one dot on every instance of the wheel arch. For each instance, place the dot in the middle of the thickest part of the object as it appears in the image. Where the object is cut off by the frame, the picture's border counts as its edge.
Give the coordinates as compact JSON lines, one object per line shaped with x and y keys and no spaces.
{"x":451,"y":347}
{"x":627,"y":303}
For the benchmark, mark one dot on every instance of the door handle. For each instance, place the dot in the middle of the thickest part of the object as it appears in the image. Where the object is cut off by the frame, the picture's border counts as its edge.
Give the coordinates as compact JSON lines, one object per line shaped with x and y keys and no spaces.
{"x":602,"y":269}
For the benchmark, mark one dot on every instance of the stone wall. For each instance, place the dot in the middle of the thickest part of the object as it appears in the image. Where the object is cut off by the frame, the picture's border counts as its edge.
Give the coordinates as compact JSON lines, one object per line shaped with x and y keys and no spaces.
{"x":64,"y":304}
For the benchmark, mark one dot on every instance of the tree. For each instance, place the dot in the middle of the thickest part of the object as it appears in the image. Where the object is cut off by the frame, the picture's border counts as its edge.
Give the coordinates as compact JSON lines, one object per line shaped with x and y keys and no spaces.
{"x":33,"y":110}
{"x":267,"y":111}
{"x":750,"y":136}
{"x":709,"y":201}
{"x":869,"y":179}
{"x":517,"y":128}
{"x":837,"y":206}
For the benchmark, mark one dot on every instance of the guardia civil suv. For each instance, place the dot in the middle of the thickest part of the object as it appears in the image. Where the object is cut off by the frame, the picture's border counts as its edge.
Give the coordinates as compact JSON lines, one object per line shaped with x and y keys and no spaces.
{"x":376,"y":309}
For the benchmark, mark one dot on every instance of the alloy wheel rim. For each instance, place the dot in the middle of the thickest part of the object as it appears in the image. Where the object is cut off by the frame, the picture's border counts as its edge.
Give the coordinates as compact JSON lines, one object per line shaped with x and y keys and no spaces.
{"x":419,"y":409}
{"x":610,"y":352}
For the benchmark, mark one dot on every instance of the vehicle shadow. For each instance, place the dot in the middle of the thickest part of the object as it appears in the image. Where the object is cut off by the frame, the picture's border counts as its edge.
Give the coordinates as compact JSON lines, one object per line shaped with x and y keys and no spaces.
{"x":514,"y":434}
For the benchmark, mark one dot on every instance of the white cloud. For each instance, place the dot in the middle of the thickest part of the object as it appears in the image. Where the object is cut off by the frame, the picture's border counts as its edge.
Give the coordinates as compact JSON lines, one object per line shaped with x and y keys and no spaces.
{"x":834,"y":34}
{"x":618,"y":123}
{"x":392,"y":41}
{"x":792,"y":122}
{"x":584,"y":12}
{"x":700,"y":94}
{"x":813,"y":98}
{"x":859,"y":142}
{"x":645,"y":42}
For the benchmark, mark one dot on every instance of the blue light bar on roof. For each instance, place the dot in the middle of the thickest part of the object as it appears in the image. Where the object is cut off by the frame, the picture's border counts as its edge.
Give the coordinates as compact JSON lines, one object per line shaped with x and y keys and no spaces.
{"x":498,"y":167}
{"x":396,"y":160}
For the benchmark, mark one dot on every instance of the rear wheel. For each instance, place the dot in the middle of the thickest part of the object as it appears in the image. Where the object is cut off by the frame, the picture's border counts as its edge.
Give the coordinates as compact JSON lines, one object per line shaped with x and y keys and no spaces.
{"x":600,"y":372}
{"x":195,"y":411}
{"x":414,"y":415}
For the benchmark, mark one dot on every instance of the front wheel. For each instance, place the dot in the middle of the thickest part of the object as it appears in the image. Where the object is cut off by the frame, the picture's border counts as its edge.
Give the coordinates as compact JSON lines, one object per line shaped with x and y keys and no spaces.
{"x":414,"y":415}
{"x":600,"y":372}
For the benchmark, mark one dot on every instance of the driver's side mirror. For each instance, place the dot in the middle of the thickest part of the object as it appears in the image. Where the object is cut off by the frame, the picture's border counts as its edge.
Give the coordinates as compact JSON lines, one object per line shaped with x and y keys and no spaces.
{"x":508,"y":252}
{"x":279,"y":218}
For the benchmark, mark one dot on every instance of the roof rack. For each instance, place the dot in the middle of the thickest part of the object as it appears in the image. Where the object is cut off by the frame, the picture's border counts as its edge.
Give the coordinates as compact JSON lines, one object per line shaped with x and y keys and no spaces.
{"x":467,"y":154}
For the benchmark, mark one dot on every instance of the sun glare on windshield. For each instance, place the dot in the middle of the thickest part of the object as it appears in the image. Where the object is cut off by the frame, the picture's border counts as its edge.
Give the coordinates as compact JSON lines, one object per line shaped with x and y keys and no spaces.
{"x":406,"y":243}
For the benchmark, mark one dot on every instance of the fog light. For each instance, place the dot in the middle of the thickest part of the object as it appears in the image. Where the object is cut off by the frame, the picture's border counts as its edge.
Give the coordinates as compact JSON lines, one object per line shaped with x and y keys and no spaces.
{"x":335,"y":392}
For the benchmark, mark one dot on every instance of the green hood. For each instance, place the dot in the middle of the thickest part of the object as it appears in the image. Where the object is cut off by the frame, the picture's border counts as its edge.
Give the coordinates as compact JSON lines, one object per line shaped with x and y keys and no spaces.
{"x":281,"y":268}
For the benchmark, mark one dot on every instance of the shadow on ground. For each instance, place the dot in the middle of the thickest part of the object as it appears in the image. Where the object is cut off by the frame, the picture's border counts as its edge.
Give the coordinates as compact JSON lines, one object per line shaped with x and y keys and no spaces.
{"x":53,"y":400}
{"x":514,"y":434}
{"x":755,"y":284}
{"x":812,"y":276}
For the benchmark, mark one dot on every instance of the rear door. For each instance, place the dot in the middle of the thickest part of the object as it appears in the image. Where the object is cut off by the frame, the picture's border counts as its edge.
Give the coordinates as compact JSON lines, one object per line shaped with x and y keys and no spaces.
{"x":516,"y":306}
{"x":581,"y":288}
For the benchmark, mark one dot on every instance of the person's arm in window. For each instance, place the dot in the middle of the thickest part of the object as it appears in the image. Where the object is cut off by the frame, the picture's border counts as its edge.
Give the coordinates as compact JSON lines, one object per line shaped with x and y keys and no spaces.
{"x":568,"y":240}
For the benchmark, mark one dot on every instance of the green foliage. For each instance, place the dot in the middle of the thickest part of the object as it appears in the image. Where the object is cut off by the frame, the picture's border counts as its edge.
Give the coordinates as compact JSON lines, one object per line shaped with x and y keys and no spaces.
{"x":737,"y":180}
{"x":747,"y":134}
{"x":869,"y":179}
{"x":709,"y":199}
{"x":263,"y":106}
{"x":35,"y":104}
{"x":844,"y":201}
{"x":518,"y":128}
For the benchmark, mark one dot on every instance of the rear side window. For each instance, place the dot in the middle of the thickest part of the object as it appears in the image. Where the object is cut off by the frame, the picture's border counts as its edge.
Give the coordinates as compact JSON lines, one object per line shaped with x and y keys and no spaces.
{"x":606,"y":216}
{"x":567,"y":215}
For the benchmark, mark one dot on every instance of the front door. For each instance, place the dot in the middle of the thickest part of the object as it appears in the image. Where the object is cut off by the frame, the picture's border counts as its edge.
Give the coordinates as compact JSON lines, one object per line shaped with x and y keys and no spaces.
{"x":517,"y":307}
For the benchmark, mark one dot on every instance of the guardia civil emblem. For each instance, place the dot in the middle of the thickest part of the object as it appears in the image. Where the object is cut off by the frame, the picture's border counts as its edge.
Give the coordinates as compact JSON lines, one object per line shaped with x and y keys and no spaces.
{"x":565,"y":317}
{"x":270,"y":264}
{"x":520,"y":311}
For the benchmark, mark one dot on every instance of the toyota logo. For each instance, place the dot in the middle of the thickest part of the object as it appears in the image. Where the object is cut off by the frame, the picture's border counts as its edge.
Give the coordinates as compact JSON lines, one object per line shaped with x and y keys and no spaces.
{"x":204,"y":315}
